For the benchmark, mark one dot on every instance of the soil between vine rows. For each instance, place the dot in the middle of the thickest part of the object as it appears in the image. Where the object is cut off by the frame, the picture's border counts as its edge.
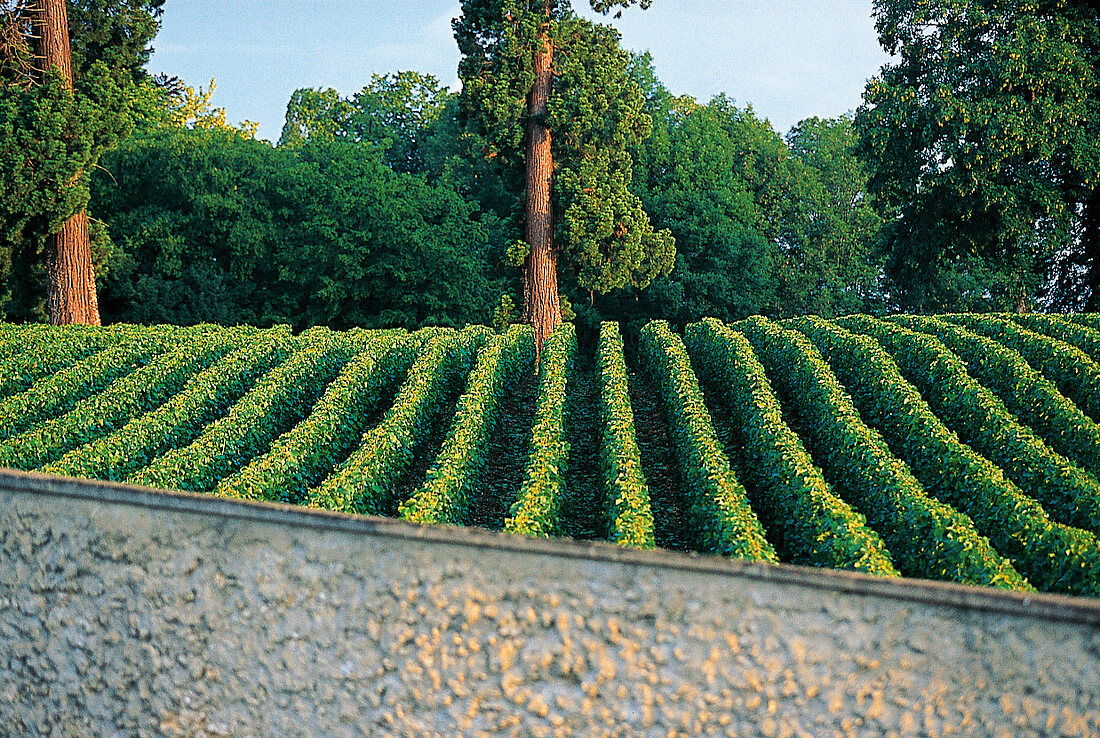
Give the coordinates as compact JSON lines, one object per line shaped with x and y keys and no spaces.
{"x":670,"y":510}
{"x":583,"y":509}
{"x":426,"y":452}
{"x":507,"y":458}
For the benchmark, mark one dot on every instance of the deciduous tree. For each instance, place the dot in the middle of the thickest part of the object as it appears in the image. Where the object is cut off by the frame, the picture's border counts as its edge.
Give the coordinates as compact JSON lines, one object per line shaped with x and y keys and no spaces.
{"x":984,"y":143}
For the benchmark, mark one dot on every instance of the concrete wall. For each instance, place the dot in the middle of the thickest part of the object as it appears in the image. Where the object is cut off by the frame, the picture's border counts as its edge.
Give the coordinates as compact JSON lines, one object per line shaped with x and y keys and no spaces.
{"x":130,"y":612}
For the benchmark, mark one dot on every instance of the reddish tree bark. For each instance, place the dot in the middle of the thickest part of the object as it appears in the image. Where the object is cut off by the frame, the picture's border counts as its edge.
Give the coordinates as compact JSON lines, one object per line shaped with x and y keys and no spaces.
{"x":70,"y":279}
{"x":540,"y":273}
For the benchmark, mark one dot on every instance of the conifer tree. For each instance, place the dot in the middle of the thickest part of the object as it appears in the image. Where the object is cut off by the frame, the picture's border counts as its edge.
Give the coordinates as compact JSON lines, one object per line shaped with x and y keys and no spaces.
{"x":70,"y":281}
{"x":68,"y":70}
{"x":551,"y":95}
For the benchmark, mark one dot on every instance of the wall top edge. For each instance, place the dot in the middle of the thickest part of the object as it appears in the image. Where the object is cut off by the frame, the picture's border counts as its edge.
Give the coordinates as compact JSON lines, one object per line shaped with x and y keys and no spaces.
{"x":1080,"y":610}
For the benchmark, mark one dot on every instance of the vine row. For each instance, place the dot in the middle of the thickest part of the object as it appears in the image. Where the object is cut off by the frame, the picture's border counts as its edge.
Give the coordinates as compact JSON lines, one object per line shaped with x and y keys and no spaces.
{"x":445,"y":495}
{"x":925,"y":536}
{"x":980,"y":419}
{"x":720,"y":514}
{"x":623,"y":483}
{"x":1053,"y":556}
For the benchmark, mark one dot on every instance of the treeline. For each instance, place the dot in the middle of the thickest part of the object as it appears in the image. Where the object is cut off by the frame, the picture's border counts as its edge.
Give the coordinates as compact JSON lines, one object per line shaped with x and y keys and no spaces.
{"x":967,"y":181}
{"x":381,"y":210}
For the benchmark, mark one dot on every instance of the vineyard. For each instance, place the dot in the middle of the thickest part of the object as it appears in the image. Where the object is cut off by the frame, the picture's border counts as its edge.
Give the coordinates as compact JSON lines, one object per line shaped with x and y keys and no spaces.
{"x":963,"y":447}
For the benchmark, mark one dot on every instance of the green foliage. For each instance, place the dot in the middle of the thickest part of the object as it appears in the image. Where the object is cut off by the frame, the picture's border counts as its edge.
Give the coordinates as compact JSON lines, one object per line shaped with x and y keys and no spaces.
{"x":504,"y":314}
{"x":810,"y":524}
{"x":400,"y":113}
{"x":365,"y":482}
{"x":304,"y":455}
{"x":56,"y":392}
{"x":116,"y":32}
{"x":926,"y":537}
{"x":445,"y":495}
{"x":720,"y":513}
{"x":395,"y":114}
{"x":982,"y":140}
{"x":279,"y":399}
{"x":837,"y":225}
{"x":315,"y":115}
{"x":35,"y":355}
{"x":51,"y":136}
{"x":1075,"y":374}
{"x":364,"y":245}
{"x":98,"y":415}
{"x":193,"y":215}
{"x":1035,"y":400}
{"x":762,"y":225}
{"x":199,"y":402}
{"x":1068,"y":493}
{"x":597,"y":113}
{"x":536,"y":511}
{"x":594,"y":113}
{"x":183,"y":106}
{"x":1089,"y":320}
{"x":1054,"y":557}
{"x":1082,"y":337}
{"x":623,"y":481}
{"x":211,"y":226}
{"x":336,"y":418}
{"x":702,"y":185}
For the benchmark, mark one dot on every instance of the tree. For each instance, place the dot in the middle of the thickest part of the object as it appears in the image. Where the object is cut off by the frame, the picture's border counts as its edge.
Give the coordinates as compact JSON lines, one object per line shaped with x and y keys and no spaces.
{"x":211,"y":225}
{"x":395,"y":113}
{"x":708,"y":182}
{"x":195,"y":231}
{"x":315,"y":115}
{"x":984,"y":146}
{"x":762,"y":225}
{"x":551,"y":95}
{"x":839,"y":224}
{"x":399,"y":112}
{"x":70,"y":281}
{"x":64,"y":104}
{"x":363,"y":245}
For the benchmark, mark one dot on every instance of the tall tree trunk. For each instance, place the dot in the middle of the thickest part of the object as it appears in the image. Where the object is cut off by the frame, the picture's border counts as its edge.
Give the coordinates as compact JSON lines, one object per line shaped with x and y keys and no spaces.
{"x":540,"y":272}
{"x":70,"y":280}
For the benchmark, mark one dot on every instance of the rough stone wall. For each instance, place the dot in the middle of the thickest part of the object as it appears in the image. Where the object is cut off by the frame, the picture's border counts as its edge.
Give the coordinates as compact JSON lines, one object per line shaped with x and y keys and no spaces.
{"x":128,"y":612}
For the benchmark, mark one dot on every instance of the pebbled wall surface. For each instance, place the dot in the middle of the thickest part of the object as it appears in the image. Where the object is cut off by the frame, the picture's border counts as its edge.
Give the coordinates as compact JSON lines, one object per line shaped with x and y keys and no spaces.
{"x":130,"y":612}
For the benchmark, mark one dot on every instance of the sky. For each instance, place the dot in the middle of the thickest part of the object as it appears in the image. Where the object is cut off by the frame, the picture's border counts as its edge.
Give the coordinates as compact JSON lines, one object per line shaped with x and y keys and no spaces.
{"x":789,"y":59}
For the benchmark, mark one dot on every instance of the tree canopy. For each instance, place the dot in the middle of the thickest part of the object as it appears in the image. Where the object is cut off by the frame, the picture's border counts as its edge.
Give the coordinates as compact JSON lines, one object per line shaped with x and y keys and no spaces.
{"x":210,"y":225}
{"x":984,"y":145}
{"x":968,"y":180}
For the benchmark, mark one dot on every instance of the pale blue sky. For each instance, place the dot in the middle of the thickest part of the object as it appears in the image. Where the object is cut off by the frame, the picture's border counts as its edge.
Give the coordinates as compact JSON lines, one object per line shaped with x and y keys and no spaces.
{"x":789,"y":59}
